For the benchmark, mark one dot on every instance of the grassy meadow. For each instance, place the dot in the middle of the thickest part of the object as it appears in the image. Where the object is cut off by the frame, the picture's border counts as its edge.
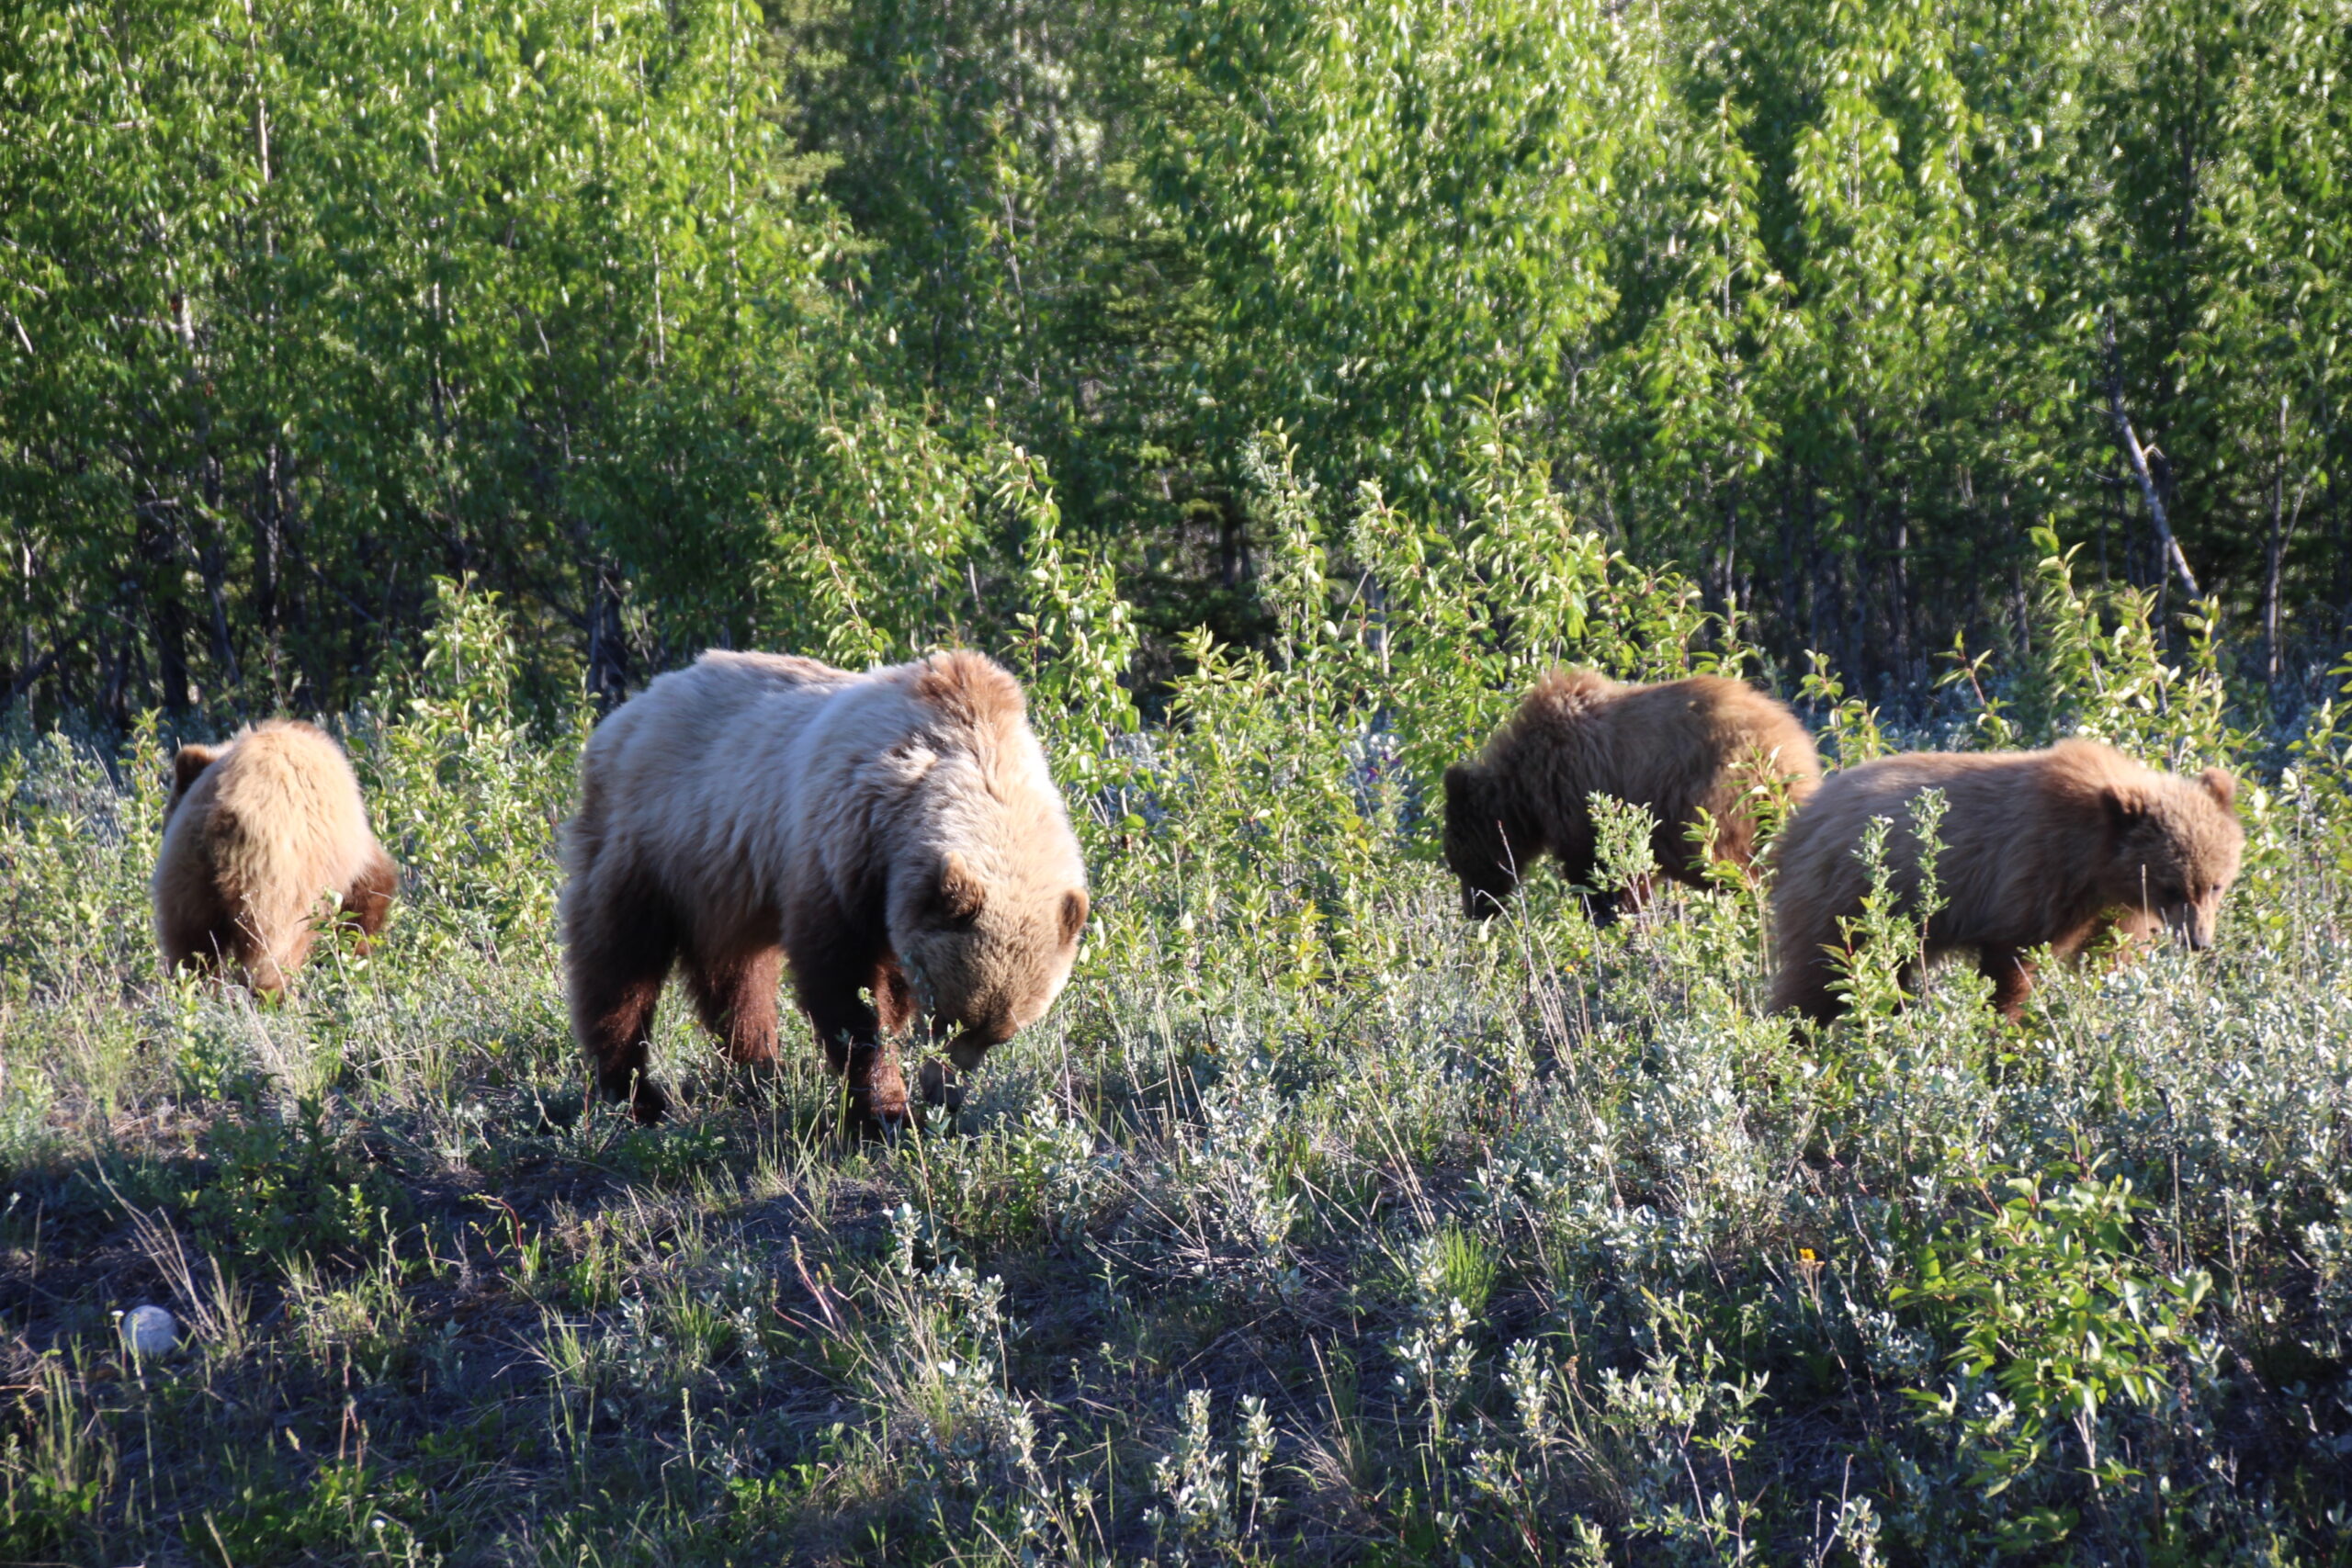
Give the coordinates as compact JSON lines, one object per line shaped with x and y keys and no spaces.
{"x":1314,"y":1225}
{"x":1278,"y":388}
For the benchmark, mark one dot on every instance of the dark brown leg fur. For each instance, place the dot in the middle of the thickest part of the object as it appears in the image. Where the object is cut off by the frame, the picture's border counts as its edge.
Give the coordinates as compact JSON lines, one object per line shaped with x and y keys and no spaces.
{"x":736,"y":998}
{"x":894,"y":1000}
{"x":885,"y":1088}
{"x":939,"y":1086}
{"x":1803,"y":985}
{"x":1605,"y":908}
{"x":616,"y":973}
{"x":2012,"y":980}
{"x":367,"y":902}
{"x":843,"y":1021}
{"x":204,"y":943}
{"x":849,"y":1028}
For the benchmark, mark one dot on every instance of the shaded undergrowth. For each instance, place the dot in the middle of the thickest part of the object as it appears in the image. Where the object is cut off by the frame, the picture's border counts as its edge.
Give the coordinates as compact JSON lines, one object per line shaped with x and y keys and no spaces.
{"x":1314,"y":1225}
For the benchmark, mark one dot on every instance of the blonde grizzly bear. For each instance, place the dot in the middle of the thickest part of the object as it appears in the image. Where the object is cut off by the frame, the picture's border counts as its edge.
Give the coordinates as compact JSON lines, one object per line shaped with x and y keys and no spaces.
{"x":1678,"y":748}
{"x":2053,"y":847}
{"x":262,"y":836}
{"x":895,"y":836}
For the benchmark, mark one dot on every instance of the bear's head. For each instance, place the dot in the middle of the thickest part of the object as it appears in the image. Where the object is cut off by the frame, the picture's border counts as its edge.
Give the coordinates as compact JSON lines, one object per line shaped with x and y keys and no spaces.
{"x":2173,"y":848}
{"x":187,"y":765}
{"x":987,"y":955}
{"x":1485,"y":846}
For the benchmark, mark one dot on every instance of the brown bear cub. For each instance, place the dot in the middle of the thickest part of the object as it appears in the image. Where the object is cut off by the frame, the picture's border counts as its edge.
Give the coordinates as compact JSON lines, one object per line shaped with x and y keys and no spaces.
{"x":262,"y":836}
{"x":2053,"y":847}
{"x":895,"y":836}
{"x":1678,"y":748}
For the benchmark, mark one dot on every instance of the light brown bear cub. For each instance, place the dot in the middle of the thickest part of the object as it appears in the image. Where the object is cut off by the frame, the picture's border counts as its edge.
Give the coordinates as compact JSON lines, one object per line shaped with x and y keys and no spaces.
{"x":262,"y":836}
{"x":2053,"y":847}
{"x":1677,"y":748}
{"x":895,"y":836}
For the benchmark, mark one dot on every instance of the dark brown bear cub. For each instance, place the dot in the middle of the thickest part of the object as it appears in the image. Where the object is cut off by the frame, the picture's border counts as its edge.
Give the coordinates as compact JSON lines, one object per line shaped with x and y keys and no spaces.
{"x":2049,"y":847}
{"x":1675,"y":748}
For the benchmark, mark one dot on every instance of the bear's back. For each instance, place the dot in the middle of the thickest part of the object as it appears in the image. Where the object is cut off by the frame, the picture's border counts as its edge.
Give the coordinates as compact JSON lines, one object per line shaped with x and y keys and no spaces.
{"x":785,"y":670}
{"x":1980,"y":788}
{"x":745,"y":770}
{"x":1666,"y":744}
{"x":744,"y":779}
{"x":290,"y":784}
{"x":2014,"y":825}
{"x":694,"y":761}
{"x":276,"y":818}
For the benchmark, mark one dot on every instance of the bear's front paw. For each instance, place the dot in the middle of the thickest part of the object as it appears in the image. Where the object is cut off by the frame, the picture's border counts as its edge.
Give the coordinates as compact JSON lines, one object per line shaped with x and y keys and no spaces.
{"x":877,"y":1096}
{"x":940,"y":1087}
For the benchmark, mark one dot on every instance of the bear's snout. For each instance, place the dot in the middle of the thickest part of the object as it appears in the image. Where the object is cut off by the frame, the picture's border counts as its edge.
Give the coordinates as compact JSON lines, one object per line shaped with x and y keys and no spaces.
{"x":2191,"y":925}
{"x":969,"y":1047}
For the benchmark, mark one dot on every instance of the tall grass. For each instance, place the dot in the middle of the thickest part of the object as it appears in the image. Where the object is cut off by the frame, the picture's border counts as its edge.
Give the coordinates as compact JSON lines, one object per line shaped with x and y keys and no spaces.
{"x":1314,"y":1225}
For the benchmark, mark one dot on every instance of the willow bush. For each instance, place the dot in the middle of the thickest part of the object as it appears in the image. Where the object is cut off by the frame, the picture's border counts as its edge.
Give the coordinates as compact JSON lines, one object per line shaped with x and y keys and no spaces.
{"x":1316,"y":1223}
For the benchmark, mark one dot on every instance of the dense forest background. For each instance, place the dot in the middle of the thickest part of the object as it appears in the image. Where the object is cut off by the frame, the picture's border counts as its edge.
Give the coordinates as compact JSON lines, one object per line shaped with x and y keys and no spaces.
{"x":714,"y":323}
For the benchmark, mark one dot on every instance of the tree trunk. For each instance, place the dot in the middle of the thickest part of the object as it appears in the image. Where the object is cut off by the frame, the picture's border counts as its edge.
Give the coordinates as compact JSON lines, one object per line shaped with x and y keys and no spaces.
{"x":269,"y":531}
{"x":1725,"y":589}
{"x":166,"y":616}
{"x":211,"y":567}
{"x":2274,"y":551}
{"x":1232,"y":546}
{"x":608,"y":649}
{"x":2274,"y":562}
{"x":1899,"y":614}
{"x":2167,"y":548}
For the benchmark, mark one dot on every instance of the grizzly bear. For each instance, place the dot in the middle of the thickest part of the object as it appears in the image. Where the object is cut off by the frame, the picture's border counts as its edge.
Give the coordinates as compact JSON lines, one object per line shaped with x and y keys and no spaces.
{"x":1678,"y":748}
{"x":261,"y":836}
{"x":894,"y":837}
{"x":2054,"y":847}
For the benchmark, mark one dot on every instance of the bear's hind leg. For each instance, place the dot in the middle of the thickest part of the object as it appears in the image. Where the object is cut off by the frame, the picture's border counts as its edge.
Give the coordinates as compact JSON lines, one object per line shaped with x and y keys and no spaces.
{"x":736,"y":997}
{"x":264,"y":963}
{"x":200,"y":942}
{"x":616,"y":973}
{"x":367,"y":902}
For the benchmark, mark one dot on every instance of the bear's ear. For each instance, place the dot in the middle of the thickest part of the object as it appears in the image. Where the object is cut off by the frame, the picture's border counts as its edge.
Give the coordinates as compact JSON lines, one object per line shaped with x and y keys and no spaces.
{"x":189,"y":761}
{"x":2221,"y":787}
{"x":1074,"y":906}
{"x":2126,"y":808}
{"x":959,"y":894}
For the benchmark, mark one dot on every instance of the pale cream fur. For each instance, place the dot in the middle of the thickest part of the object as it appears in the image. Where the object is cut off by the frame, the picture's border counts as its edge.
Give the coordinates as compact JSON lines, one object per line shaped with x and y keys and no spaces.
{"x":263,"y":838}
{"x":897,"y":831}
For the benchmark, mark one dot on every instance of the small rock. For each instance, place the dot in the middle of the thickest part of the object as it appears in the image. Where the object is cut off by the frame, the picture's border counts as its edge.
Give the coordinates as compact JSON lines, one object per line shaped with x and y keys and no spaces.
{"x":149,"y":1330}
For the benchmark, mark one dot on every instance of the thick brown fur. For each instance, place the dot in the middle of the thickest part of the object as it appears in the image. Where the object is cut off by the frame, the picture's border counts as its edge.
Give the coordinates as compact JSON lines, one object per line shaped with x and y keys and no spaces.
{"x":2053,"y":847}
{"x":1678,"y":748}
{"x":894,"y":837}
{"x":262,"y":836}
